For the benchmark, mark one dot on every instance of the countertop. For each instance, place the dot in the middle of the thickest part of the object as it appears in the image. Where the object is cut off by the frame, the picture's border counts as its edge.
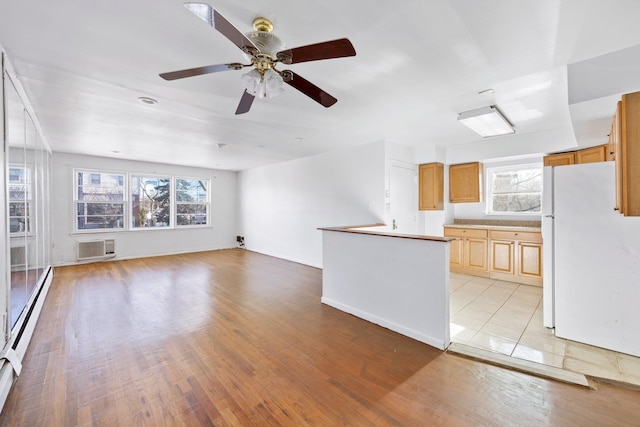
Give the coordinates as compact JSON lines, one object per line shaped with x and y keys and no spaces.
{"x":361,"y":229}
{"x":495,"y":227}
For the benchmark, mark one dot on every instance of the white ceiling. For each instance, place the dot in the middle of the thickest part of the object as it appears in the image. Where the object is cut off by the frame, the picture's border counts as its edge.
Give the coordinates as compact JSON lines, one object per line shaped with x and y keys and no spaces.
{"x":83,"y":64}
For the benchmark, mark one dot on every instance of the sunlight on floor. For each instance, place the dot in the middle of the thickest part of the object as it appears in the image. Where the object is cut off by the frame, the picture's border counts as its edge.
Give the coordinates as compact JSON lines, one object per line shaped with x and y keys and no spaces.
{"x":506,"y":318}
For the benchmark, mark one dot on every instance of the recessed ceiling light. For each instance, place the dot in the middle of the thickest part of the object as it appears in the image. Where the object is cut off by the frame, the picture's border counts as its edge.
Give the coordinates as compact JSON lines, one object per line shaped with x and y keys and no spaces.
{"x":221,"y":145}
{"x":298,"y":139}
{"x":147,"y":100}
{"x":115,"y":151}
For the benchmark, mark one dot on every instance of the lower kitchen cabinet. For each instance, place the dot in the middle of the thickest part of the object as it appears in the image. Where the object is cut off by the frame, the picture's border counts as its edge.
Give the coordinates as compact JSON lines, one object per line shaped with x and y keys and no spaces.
{"x":468,"y":251}
{"x":513,"y":256}
{"x":516,"y":256}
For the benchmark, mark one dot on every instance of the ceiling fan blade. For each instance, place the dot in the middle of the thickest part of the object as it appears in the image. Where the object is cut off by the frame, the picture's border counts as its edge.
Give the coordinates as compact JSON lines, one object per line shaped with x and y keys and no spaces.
{"x":308,"y":88}
{"x":245,"y":103}
{"x":219,"y":22}
{"x":326,"y":50}
{"x":181,"y":74}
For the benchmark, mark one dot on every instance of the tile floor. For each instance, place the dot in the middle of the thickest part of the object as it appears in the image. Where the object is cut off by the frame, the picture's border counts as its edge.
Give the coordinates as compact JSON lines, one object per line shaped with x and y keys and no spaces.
{"x":506,"y":318}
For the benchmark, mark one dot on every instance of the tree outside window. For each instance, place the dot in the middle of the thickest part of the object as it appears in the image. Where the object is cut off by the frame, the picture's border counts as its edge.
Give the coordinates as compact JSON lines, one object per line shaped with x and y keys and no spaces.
{"x":150,"y":202}
{"x":192,"y":202}
{"x":514,"y":189}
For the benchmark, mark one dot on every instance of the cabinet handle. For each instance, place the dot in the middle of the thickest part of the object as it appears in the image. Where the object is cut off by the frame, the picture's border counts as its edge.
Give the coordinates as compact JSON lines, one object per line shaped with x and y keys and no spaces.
{"x":515,"y":234}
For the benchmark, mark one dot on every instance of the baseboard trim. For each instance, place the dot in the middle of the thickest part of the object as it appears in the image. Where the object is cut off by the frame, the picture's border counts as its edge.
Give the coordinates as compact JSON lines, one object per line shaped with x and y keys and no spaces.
{"x":411,"y":333}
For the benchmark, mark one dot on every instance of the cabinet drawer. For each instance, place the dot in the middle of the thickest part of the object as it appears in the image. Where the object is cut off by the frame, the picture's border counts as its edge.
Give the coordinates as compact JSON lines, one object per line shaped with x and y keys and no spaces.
{"x":524,"y":236}
{"x":465,"y":232}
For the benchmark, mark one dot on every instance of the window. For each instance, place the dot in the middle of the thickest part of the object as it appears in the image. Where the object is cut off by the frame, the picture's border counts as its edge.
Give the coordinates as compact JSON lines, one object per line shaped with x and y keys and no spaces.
{"x":514,"y":189}
{"x":99,"y":200}
{"x":192,"y":202}
{"x":153,"y":202}
{"x":19,"y":200}
{"x":150,"y":202}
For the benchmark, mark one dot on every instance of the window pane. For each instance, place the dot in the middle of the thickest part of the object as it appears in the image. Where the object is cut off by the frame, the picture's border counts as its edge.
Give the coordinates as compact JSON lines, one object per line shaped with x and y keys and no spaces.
{"x":517,"y":189}
{"x":100,"y":197}
{"x":192,"y":202}
{"x":525,"y":180}
{"x":100,"y":222}
{"x":191,"y":190}
{"x":100,"y":187}
{"x":150,"y":202}
{"x":521,"y":202}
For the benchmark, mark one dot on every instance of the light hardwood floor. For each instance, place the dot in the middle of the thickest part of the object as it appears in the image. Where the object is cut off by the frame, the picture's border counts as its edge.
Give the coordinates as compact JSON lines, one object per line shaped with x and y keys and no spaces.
{"x":238,"y":338}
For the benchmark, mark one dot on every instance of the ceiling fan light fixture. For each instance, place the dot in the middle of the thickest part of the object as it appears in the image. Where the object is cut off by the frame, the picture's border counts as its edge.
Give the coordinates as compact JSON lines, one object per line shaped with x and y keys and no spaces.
{"x":486,"y":122}
{"x":269,"y":84}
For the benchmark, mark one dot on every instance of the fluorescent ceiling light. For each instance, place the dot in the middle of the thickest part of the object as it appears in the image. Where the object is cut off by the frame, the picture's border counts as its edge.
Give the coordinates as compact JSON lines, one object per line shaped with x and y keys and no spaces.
{"x":486,"y":122}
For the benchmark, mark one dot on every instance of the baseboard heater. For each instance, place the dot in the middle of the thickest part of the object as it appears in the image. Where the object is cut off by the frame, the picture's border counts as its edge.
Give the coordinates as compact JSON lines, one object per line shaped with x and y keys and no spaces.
{"x":95,"y":249}
{"x":16,"y":347}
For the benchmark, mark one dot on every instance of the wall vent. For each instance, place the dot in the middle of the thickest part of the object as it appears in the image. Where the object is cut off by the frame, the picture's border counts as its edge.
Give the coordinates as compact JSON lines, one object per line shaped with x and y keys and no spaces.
{"x":96,"y":249}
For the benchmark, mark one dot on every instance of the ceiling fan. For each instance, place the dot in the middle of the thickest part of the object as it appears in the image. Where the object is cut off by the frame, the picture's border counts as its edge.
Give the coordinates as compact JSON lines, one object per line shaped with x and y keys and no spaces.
{"x":265,"y":51}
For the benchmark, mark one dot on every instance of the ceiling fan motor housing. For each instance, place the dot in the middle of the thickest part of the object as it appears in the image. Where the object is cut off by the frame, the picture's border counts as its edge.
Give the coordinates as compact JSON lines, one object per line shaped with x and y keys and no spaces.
{"x":267,"y":43}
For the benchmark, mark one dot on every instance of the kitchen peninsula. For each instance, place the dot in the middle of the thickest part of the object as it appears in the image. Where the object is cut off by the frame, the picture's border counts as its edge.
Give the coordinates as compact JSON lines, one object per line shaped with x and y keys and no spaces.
{"x":398,"y":281}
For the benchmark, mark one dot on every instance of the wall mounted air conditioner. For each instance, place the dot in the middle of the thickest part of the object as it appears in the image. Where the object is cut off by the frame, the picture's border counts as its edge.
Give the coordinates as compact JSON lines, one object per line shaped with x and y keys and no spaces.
{"x":95,"y":249}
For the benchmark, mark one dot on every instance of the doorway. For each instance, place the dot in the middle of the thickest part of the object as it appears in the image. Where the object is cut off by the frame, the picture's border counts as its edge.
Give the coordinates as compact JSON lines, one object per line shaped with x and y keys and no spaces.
{"x":403,"y":200}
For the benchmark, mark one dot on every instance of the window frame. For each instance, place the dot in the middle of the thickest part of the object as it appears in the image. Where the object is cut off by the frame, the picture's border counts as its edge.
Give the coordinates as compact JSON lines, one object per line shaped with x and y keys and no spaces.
{"x":76,"y":201}
{"x":489,"y":170}
{"x":177,"y":202}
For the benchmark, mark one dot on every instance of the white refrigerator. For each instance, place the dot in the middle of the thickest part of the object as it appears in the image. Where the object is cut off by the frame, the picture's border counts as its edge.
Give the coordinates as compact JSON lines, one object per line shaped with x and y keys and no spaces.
{"x":591,"y":290}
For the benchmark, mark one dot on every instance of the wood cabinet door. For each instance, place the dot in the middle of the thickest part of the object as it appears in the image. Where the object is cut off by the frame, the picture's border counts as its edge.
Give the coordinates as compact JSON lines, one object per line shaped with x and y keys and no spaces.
{"x":592,"y":155}
{"x":560,"y":159}
{"x":530,"y":259}
{"x":502,"y":257}
{"x":475,"y":254}
{"x":465,"y":183}
{"x":456,"y":253}
{"x":431,"y":187}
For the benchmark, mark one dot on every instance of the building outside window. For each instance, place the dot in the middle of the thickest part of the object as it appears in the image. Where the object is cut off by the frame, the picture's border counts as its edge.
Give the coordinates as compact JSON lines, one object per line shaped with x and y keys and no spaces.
{"x":19,"y":200}
{"x":514,"y":189}
{"x":99,"y":200}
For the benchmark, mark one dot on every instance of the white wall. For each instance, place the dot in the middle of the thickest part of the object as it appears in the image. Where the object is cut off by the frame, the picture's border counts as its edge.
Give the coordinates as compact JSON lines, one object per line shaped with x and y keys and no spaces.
{"x":401,"y":284}
{"x":282,"y":205}
{"x":143,"y":243}
{"x":597,"y":260}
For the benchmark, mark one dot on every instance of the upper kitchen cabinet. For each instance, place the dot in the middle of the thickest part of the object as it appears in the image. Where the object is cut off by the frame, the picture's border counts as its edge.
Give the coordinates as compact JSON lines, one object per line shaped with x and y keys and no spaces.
{"x":592,"y":155}
{"x":586,"y":155}
{"x":627,"y":154}
{"x":465,"y":183}
{"x":560,"y":159}
{"x":431,"y":187}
